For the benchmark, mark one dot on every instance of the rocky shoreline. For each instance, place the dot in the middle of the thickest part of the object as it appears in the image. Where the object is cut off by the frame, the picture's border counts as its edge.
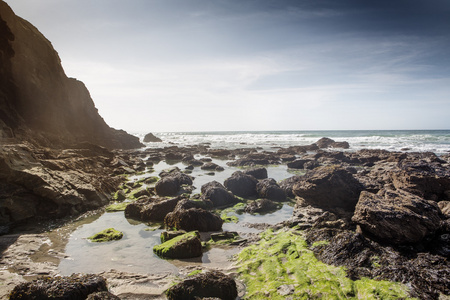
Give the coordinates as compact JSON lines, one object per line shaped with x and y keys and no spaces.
{"x":380,"y":214}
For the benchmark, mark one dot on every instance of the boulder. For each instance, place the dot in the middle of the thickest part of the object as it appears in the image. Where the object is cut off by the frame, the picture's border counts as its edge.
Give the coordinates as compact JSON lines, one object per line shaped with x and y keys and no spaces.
{"x":187,"y":245}
{"x":297,"y":164}
{"x":307,"y":164}
{"x":76,"y":286}
{"x":171,"y":182}
{"x":241,"y":184}
{"x":430,"y":181}
{"x":150,"y":138}
{"x":269,"y":189}
{"x":167,"y":186}
{"x":212,"y":284}
{"x":151,"y":209}
{"x":217,"y":194}
{"x":261,"y":206}
{"x":211,"y":166}
{"x":288,"y":184}
{"x":258,"y":173}
{"x":195,"y":203}
{"x":329,"y":143}
{"x":396,"y":217}
{"x":193,"y":219}
{"x":329,"y":187}
{"x":173,"y":156}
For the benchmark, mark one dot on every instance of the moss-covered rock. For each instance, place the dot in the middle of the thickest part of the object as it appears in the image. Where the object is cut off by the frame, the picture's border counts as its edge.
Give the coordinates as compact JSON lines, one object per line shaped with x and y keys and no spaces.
{"x":187,"y":245}
{"x":280,"y":265}
{"x":106,"y":235}
{"x":228,"y":219}
{"x":168,"y":235}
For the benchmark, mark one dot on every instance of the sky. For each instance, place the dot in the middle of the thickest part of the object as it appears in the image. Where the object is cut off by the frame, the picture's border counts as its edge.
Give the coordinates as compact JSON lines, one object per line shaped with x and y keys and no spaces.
{"x":223,"y":65}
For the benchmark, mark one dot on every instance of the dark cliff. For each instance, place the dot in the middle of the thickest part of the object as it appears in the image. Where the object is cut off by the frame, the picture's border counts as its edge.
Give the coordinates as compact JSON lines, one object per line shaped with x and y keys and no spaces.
{"x":38,"y":102}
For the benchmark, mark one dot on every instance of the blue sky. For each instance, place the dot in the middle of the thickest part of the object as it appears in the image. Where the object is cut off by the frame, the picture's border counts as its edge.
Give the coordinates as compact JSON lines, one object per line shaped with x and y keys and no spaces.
{"x":191,"y":65}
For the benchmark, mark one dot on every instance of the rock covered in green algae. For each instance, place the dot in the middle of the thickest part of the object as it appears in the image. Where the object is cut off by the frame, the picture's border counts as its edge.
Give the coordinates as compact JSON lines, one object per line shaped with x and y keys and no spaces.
{"x":168,"y":235}
{"x":281,"y":266}
{"x":106,"y":235}
{"x":187,"y":245}
{"x":205,"y":285}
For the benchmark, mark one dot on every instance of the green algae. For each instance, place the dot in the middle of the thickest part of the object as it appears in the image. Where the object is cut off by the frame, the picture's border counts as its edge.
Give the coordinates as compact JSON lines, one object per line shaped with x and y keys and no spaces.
{"x":319,"y":243}
{"x":226,"y":216}
{"x":167,"y":249}
{"x":195,"y":272}
{"x":106,"y":235}
{"x":168,"y":235}
{"x":117,"y":207}
{"x":282,"y":259}
{"x":228,"y":219}
{"x":119,"y":195}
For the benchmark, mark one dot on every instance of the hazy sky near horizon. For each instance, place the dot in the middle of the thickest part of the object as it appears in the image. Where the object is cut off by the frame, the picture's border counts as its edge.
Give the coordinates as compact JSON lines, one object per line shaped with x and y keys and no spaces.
{"x":203,"y":65}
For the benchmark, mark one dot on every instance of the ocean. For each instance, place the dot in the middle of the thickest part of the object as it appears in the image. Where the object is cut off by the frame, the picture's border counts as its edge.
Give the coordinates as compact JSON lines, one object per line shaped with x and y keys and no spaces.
{"x":437,"y":141}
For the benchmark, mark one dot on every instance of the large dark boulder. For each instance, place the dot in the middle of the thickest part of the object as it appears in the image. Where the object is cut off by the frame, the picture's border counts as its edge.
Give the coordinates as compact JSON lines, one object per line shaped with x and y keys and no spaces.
{"x":193,"y":219}
{"x":288,"y":184}
{"x":396,"y":217}
{"x":211,"y":167}
{"x":212,"y":284}
{"x":217,"y":194}
{"x":171,"y":182}
{"x":76,"y":286}
{"x":258,"y":173}
{"x":195,"y":203}
{"x":151,"y":209}
{"x":329,"y":187}
{"x":429,"y":180}
{"x":151,"y":138}
{"x":329,"y":143}
{"x":241,"y":184}
{"x":269,"y":189}
{"x":168,"y":186}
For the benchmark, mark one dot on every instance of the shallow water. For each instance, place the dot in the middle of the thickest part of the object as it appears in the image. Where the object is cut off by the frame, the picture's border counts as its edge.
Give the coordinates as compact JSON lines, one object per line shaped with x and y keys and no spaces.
{"x":134,"y":252}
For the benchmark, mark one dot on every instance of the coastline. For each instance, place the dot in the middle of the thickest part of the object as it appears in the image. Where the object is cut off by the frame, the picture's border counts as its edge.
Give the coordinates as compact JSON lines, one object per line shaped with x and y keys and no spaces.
{"x":437,"y":141}
{"x":39,"y":254}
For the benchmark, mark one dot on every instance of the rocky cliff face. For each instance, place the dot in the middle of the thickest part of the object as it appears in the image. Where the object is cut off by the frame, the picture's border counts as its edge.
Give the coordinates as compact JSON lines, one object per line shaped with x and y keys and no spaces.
{"x":38,"y":102}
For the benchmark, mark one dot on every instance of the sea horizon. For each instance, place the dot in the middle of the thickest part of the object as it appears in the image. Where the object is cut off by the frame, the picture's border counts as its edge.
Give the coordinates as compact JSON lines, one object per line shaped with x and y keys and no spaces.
{"x":423,"y":140}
